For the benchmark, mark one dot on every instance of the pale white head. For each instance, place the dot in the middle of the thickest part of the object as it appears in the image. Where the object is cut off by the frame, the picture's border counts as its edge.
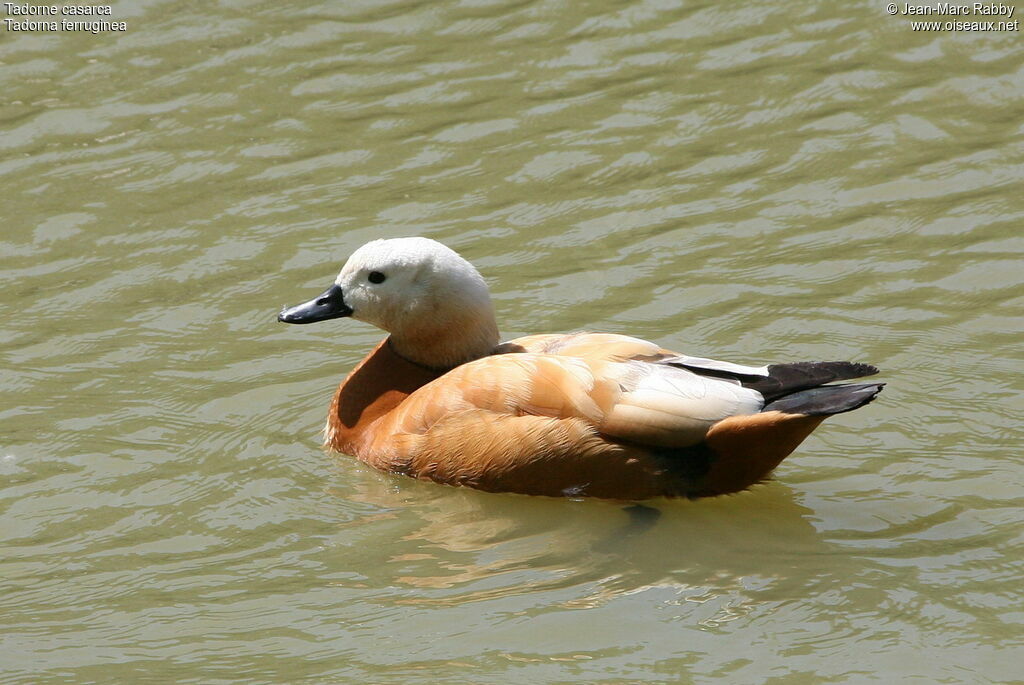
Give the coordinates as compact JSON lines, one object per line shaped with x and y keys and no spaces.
{"x":434,"y":303}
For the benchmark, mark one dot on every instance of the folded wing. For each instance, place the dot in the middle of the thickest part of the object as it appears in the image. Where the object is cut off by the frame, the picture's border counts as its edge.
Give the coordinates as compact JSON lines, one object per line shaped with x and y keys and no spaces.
{"x":631,"y":401}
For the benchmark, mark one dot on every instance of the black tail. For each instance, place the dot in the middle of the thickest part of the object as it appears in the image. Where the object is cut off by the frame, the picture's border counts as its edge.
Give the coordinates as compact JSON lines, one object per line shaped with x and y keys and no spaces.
{"x":826,"y":399}
{"x":785,"y":379}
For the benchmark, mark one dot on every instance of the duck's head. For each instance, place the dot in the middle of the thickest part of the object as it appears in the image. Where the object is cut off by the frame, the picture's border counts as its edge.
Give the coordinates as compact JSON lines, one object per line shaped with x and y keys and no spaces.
{"x":433,"y":302}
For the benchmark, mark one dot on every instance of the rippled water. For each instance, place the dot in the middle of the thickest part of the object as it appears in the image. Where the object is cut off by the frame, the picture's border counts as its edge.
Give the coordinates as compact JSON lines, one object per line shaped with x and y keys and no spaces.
{"x":753,"y":181}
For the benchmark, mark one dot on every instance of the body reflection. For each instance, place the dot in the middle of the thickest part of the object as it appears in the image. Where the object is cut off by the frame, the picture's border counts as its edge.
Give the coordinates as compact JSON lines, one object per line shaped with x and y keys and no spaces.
{"x":457,"y":545}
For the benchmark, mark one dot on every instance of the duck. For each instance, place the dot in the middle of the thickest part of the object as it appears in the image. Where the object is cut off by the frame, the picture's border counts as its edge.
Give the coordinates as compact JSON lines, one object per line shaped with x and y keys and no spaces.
{"x":582,"y":414}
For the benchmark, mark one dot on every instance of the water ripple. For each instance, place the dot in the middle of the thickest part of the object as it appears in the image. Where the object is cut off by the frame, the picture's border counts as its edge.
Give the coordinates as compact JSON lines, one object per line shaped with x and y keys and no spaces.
{"x":758,"y":182}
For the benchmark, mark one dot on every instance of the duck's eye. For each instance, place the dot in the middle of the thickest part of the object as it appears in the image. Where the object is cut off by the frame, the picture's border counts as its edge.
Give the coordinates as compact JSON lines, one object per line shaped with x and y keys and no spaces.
{"x":376,"y":277}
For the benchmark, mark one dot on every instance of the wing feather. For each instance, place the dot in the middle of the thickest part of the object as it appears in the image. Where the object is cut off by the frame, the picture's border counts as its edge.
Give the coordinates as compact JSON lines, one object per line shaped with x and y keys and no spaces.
{"x":637,"y":402}
{"x":668,"y":406}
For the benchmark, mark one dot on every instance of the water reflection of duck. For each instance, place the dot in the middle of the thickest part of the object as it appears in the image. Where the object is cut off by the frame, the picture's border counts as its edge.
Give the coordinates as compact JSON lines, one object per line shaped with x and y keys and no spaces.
{"x":460,"y":547}
{"x":583,"y":414}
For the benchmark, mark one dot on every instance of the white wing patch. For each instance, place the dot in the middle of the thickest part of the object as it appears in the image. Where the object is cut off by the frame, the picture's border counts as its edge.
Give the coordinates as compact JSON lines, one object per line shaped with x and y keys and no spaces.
{"x":669,"y":406}
{"x":716,"y":365}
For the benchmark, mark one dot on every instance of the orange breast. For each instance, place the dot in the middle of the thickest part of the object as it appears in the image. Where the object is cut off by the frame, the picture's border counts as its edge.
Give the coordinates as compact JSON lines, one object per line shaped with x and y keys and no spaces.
{"x":377,"y":385}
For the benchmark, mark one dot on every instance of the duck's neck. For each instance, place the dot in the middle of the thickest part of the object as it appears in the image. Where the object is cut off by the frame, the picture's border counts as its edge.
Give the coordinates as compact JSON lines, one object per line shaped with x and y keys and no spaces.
{"x":445,"y":343}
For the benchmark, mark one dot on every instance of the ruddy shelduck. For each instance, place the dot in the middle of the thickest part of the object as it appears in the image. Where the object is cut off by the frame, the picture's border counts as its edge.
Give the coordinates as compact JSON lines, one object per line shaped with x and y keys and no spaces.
{"x":579,"y":414}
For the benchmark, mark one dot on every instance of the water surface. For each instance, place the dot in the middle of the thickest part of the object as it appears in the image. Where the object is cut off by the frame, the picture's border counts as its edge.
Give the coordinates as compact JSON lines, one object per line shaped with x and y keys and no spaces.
{"x":752,"y":181}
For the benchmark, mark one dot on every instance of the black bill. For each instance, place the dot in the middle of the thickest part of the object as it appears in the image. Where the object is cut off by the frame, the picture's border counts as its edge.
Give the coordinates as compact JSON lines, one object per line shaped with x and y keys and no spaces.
{"x":330,"y":304}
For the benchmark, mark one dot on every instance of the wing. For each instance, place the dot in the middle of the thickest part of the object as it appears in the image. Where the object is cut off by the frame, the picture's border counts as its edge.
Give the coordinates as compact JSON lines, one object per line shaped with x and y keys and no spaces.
{"x":631,"y":401}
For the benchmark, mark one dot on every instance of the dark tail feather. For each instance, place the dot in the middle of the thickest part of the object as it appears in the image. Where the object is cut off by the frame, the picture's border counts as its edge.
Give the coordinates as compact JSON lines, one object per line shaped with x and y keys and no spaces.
{"x":784,"y":379}
{"x":826,"y":399}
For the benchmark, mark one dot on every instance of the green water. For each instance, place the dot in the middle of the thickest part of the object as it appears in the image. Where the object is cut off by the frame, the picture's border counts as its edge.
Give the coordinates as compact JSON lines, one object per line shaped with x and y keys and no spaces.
{"x":752,"y":181}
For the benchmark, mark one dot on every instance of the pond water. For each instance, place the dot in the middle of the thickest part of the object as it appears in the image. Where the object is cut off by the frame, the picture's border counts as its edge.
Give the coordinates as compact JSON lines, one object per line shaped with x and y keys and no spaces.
{"x":752,"y":181}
